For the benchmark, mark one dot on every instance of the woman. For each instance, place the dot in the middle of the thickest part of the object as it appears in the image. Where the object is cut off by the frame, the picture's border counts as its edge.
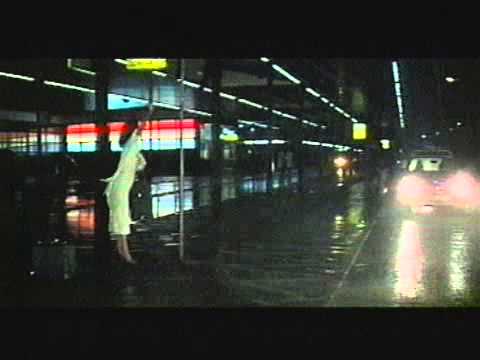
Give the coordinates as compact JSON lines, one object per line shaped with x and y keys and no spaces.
{"x":118,"y":190}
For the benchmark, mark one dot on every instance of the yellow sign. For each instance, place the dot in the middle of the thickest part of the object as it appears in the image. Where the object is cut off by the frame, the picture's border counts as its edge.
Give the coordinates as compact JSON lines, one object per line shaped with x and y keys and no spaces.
{"x":146,"y":64}
{"x":359,"y":131}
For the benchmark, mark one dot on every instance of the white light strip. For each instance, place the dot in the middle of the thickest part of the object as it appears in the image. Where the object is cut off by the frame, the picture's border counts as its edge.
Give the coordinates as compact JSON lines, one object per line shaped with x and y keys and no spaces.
{"x":121,"y":61}
{"x":227,"y":96}
{"x":325,"y":100}
{"x":68,"y":86}
{"x":354,"y":120}
{"x":286,"y":74}
{"x":308,"y":142}
{"x":159,"y":73}
{"x":78,"y":69}
{"x":191,"y":84}
{"x":289,"y":116}
{"x":167,"y":106}
{"x":252,"y":123}
{"x":396,"y":77}
{"x":247,"y":102}
{"x":264,"y":59}
{"x":206,"y":89}
{"x":276,"y":112}
{"x":327,"y":145}
{"x":256,"y":142}
{"x":313,"y":92}
{"x":309,"y":123}
{"x":276,"y":141}
{"x":198,"y":112}
{"x":15,"y":76}
{"x":397,"y":89}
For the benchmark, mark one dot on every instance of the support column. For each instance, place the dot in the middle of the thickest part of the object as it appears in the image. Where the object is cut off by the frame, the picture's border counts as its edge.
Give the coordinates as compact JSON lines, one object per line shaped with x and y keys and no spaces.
{"x":300,"y":148}
{"x":215,"y":75}
{"x":270,"y":151}
{"x":103,"y":247}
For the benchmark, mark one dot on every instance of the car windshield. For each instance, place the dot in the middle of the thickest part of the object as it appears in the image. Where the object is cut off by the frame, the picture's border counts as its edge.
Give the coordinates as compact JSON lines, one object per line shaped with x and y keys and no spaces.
{"x":431,"y":165}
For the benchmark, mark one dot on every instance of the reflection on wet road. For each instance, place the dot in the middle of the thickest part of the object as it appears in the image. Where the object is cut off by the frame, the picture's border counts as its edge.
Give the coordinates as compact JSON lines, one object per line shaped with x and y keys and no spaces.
{"x":165,"y":198}
{"x":416,"y":260}
{"x":299,"y":260}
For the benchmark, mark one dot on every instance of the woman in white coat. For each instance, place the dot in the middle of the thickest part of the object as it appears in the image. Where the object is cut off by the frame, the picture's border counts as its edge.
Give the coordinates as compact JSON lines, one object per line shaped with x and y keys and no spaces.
{"x":118,"y":190}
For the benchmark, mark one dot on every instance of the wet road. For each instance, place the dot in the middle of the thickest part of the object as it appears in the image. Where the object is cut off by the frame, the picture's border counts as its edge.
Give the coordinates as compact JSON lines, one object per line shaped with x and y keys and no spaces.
{"x":415,"y":260}
{"x":334,"y":246}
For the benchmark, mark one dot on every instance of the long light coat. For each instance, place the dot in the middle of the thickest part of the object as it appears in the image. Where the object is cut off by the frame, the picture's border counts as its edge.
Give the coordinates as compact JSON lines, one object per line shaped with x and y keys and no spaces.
{"x":119,"y":185}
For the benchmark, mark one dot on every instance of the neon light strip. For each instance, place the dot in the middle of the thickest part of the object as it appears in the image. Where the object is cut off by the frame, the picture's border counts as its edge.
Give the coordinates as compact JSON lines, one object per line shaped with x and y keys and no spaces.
{"x":264,"y":59}
{"x":167,"y":106}
{"x":78,"y":69}
{"x":247,"y":102}
{"x":206,"y":89}
{"x":227,"y":96}
{"x":313,"y":92}
{"x":159,"y":73}
{"x":396,"y":78}
{"x":198,"y":112}
{"x":15,"y":76}
{"x":191,"y":84}
{"x":286,"y":74}
{"x":68,"y":86}
{"x":289,"y":116}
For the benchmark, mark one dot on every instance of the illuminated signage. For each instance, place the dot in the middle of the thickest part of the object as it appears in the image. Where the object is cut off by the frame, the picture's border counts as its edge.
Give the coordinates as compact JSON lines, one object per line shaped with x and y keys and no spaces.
{"x":146,"y":64}
{"x":359,"y":131}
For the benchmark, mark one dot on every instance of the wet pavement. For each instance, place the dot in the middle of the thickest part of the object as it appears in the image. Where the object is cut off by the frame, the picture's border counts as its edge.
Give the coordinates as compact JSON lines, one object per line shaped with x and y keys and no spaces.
{"x":329,"y":247}
{"x":415,"y":260}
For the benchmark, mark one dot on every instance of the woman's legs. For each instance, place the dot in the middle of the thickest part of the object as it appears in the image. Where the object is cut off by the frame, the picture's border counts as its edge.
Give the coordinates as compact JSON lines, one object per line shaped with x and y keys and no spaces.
{"x":123,"y":250}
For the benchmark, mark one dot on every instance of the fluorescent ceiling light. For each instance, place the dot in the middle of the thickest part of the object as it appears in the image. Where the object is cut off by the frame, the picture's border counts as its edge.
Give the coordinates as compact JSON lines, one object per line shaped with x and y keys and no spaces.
{"x":227,"y":96}
{"x":193,"y":111}
{"x":191,"y":84}
{"x":68,"y":86}
{"x":167,"y":106}
{"x":313,"y":92}
{"x":247,"y":102}
{"x":159,"y":73}
{"x":15,"y":76}
{"x":286,"y":74}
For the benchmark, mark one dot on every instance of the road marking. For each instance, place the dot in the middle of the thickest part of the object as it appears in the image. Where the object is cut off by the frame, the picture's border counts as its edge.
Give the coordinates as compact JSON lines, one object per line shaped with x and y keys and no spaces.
{"x":354,"y":259}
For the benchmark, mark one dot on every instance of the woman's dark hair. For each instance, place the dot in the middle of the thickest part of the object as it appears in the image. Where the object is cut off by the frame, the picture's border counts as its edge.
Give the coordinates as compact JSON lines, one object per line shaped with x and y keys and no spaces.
{"x":126,"y":132}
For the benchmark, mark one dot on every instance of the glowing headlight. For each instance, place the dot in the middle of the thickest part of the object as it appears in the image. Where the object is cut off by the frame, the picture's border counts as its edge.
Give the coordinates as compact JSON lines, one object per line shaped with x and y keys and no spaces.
{"x":340,"y":162}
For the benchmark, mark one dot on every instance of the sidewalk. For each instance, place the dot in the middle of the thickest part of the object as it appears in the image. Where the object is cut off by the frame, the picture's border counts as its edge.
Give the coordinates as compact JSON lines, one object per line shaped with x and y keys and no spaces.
{"x":161,"y":279}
